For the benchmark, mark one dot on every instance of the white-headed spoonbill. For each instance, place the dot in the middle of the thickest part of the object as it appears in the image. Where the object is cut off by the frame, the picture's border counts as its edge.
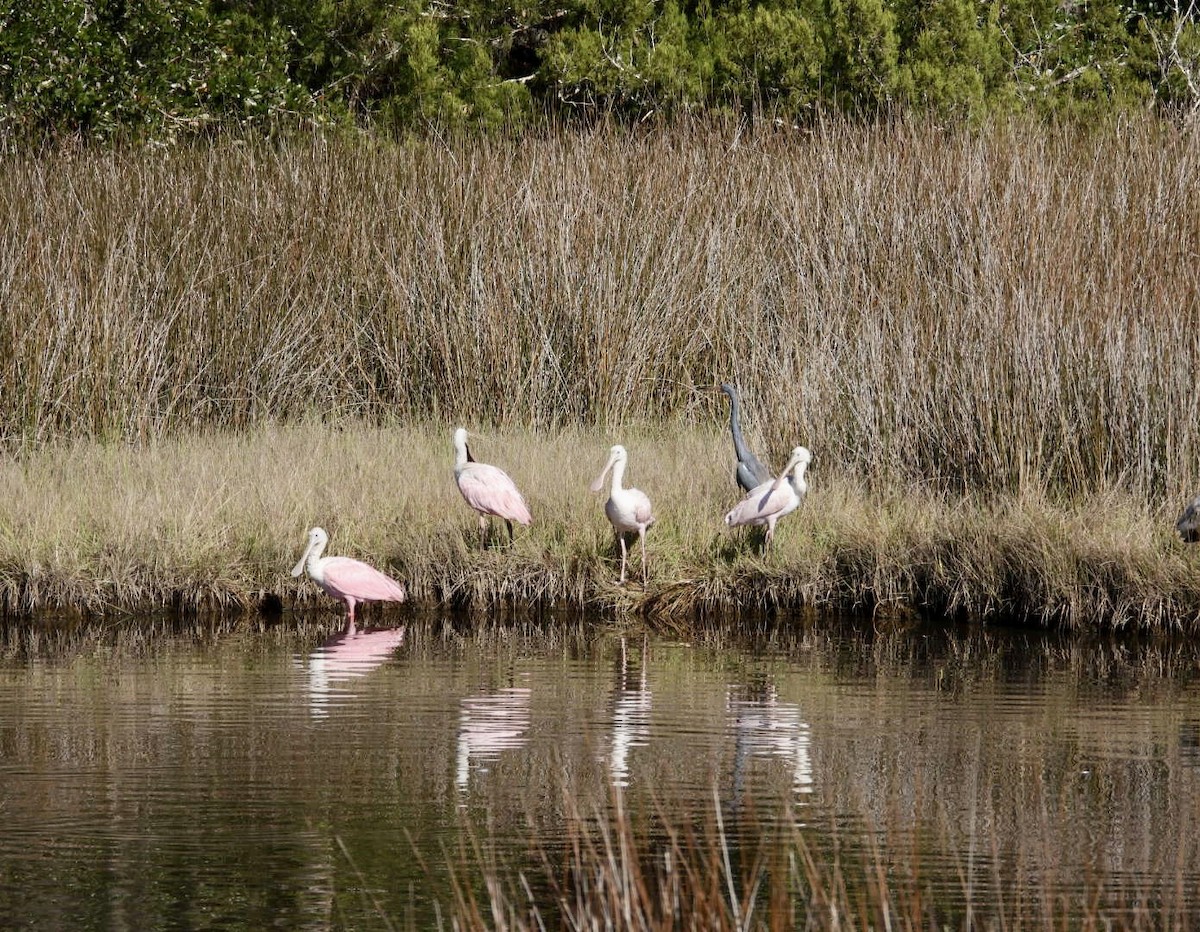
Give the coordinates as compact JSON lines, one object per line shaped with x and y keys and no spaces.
{"x":487,"y":489}
{"x":627,"y":509}
{"x":769,"y":502}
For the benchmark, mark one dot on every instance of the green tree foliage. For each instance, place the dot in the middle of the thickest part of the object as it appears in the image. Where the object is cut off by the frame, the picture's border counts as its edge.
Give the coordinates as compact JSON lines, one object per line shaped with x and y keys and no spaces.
{"x":863,"y":49}
{"x":1076,"y":57}
{"x":768,"y":52}
{"x":953,"y":61}
{"x":629,"y":56}
{"x":155,"y":68}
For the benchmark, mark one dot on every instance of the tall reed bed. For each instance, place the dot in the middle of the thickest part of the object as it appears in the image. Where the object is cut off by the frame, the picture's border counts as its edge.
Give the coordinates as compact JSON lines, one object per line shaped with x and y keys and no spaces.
{"x":985,"y":310}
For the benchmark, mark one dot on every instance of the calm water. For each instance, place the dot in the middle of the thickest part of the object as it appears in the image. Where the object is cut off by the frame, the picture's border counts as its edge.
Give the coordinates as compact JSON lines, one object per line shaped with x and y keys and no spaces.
{"x":251,"y":779}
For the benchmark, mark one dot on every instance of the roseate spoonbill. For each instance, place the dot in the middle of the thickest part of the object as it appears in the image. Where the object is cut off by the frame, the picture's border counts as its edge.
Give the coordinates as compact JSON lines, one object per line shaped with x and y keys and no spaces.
{"x":352,"y":581}
{"x":627,"y":509}
{"x":1188,"y":524}
{"x":487,"y":489}
{"x":751,"y":472}
{"x":770,"y":501}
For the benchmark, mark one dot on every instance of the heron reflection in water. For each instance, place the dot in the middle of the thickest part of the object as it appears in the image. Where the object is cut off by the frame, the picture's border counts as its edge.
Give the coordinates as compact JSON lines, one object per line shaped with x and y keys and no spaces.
{"x":345,"y":657}
{"x":488,"y":725}
{"x":767,"y":728}
{"x":630,"y":713}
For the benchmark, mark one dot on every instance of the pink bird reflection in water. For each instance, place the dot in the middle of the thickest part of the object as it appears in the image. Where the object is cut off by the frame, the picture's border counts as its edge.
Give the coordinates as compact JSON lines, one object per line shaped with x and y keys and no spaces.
{"x":346,"y":657}
{"x":489,"y":725}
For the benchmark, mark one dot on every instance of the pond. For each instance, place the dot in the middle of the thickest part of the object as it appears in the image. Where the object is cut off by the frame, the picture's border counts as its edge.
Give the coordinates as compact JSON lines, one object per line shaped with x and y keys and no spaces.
{"x":304,"y":778}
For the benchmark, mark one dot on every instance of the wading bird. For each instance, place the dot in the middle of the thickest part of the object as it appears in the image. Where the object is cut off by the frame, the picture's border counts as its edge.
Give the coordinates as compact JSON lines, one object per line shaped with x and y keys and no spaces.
{"x":1188,"y":524}
{"x":352,"y":581}
{"x":627,"y":509}
{"x":751,"y":472}
{"x":487,"y":489}
{"x":769,"y":502}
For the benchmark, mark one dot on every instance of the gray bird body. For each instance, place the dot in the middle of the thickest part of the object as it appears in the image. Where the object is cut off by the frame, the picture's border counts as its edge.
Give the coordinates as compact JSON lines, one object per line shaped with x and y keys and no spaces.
{"x":751,"y":472}
{"x":1188,"y":524}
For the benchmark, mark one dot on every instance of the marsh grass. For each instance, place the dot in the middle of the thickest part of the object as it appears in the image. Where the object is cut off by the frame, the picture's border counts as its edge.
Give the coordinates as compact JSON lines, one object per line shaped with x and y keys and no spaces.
{"x":970,"y":310}
{"x":213,"y":523}
{"x":634,"y":866}
{"x":987,"y":337}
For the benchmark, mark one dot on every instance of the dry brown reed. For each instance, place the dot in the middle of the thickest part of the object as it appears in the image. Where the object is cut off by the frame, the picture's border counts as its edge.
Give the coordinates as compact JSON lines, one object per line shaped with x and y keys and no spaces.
{"x":626,"y":868}
{"x":983,"y":310}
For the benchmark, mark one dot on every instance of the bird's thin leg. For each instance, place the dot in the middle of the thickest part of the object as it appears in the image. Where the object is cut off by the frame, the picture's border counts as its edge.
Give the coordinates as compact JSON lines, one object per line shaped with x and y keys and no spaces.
{"x":770,"y":534}
{"x":621,"y":538}
{"x":350,"y":615}
{"x":510,"y":533}
{"x":483,"y":529}
{"x":642,"y":535}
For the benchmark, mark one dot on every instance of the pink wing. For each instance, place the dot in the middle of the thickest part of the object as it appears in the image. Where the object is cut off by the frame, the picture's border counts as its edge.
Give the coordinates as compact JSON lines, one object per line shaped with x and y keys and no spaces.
{"x":642,"y":510}
{"x":491,"y":492}
{"x":347,"y":577}
{"x":756,"y":507}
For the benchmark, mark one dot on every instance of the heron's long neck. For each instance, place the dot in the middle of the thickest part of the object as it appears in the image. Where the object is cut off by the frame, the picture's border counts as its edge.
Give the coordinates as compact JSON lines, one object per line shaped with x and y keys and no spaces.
{"x":735,"y":428}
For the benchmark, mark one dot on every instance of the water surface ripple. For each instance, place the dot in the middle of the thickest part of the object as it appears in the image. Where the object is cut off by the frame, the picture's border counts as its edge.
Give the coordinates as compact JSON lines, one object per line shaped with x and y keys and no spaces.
{"x":324,"y":779}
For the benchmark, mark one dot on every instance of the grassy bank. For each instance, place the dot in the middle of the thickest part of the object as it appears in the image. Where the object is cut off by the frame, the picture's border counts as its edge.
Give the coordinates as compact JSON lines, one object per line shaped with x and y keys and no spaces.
{"x":215,"y":522}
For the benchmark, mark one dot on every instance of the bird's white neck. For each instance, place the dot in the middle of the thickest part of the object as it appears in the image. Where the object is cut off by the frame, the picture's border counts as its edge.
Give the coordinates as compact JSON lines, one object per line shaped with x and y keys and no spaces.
{"x":797,"y":478}
{"x":460,"y":454}
{"x":314,"y":564}
{"x":618,"y":476}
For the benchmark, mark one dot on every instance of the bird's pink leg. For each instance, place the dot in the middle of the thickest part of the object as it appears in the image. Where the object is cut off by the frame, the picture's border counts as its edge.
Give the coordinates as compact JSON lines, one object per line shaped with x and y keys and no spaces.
{"x":642,"y":535}
{"x":483,"y":529}
{"x":621,"y":538}
{"x":350,"y":614}
{"x":770,"y":534}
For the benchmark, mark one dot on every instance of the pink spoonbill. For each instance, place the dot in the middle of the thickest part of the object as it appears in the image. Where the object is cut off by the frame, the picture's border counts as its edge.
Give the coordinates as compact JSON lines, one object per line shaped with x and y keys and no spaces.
{"x":627,"y":509}
{"x":487,"y":489}
{"x":352,"y":581}
{"x":767,"y":503}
